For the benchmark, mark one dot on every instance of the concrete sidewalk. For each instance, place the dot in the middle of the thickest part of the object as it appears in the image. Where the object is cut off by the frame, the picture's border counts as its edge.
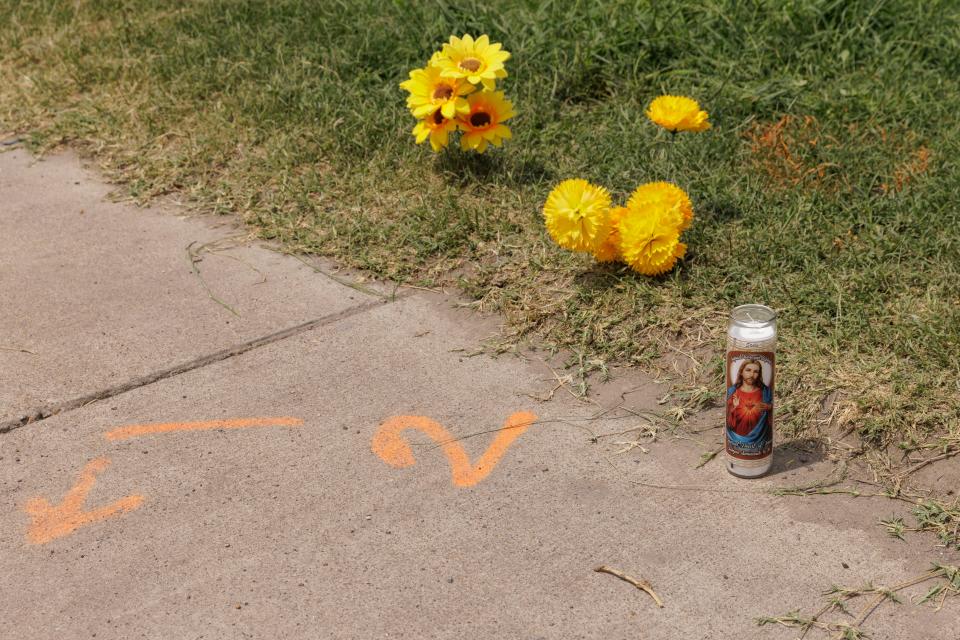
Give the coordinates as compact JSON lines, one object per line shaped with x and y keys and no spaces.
{"x":324,"y":462}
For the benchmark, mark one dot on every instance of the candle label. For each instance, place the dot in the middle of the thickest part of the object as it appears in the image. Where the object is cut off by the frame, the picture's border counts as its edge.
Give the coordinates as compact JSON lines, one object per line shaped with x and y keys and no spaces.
{"x":749,"y":402}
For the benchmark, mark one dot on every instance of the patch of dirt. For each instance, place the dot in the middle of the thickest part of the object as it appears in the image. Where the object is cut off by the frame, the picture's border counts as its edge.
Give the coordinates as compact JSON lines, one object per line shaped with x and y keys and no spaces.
{"x":796,"y":150}
{"x":784,"y":151}
{"x":915,"y":165}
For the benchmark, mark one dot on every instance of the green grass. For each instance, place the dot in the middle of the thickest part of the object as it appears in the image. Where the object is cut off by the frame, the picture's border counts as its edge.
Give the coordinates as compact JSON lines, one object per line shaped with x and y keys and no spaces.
{"x":828,"y":187}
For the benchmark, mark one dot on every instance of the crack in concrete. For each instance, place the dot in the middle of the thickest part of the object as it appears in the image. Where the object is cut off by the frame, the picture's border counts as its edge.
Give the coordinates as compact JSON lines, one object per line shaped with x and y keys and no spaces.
{"x":41,"y":413}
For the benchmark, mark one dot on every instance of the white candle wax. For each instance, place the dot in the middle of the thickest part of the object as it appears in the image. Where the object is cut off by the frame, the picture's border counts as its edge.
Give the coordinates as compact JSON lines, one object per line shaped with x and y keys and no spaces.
{"x":753,"y":327}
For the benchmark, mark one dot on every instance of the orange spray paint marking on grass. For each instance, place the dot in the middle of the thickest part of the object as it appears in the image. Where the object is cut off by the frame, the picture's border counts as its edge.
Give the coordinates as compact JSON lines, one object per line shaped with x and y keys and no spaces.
{"x":390,"y":446}
{"x":135,"y":430}
{"x":52,"y":522}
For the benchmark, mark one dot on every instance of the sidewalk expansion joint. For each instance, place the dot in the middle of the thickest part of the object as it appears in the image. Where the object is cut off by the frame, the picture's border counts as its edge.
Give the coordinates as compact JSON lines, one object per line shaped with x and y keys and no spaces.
{"x":36,"y":415}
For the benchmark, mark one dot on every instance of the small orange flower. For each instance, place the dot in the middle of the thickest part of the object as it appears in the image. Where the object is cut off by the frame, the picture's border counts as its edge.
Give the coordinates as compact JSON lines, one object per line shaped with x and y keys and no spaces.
{"x":484,"y":122}
{"x":437,"y":128}
{"x":609,"y":249}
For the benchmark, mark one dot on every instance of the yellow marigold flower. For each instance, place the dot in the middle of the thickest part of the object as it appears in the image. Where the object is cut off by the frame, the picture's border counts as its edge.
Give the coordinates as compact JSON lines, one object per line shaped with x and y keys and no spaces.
{"x":483,"y":123}
{"x":669,"y":194}
{"x":435,"y":127}
{"x":478,"y":60}
{"x":577,"y":215}
{"x":430,"y":92}
{"x":678,"y":113}
{"x":609,"y":249}
{"x":650,"y":236}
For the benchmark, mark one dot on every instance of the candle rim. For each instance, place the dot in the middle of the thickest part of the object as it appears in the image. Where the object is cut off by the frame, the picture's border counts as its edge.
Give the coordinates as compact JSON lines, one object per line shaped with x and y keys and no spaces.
{"x":738,"y":313}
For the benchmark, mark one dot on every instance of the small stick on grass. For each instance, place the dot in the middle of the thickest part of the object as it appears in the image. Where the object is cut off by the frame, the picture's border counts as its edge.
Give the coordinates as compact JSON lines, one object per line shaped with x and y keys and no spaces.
{"x":643,"y":585}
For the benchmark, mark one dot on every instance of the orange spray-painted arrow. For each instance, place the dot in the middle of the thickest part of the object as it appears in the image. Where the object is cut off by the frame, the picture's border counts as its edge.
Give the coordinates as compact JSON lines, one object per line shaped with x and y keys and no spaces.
{"x":52,"y":522}
{"x":394,"y":450}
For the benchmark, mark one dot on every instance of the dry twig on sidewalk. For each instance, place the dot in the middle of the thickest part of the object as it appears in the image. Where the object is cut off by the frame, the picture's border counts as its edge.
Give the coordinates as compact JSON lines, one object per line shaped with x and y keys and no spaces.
{"x":641,"y":584}
{"x":16,"y":350}
{"x":193,"y":257}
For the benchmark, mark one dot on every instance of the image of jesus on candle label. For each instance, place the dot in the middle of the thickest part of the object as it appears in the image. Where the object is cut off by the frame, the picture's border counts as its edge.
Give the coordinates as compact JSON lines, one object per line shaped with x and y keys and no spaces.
{"x":749,"y":401}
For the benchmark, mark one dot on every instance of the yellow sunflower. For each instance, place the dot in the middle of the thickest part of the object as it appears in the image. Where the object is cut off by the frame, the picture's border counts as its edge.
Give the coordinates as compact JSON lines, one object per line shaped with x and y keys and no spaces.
{"x":669,"y":194}
{"x":430,"y":92}
{"x":609,"y":249}
{"x":483,"y":123}
{"x":478,"y":61}
{"x":650,"y":236}
{"x":437,"y":128}
{"x":678,"y":113}
{"x":577,"y":215}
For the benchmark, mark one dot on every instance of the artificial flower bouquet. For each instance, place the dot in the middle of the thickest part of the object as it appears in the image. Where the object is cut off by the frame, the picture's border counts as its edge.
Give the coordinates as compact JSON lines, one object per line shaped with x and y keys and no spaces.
{"x":645,"y":234}
{"x":456,"y":91}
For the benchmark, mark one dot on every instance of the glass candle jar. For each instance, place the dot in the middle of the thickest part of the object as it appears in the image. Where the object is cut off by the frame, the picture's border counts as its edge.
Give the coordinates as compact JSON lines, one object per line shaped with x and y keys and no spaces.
{"x":748,"y":394}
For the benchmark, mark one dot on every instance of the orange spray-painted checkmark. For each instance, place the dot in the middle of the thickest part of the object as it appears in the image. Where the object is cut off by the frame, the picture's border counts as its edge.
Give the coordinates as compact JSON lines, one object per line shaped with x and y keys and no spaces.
{"x":55,"y":521}
{"x":394,"y":450}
